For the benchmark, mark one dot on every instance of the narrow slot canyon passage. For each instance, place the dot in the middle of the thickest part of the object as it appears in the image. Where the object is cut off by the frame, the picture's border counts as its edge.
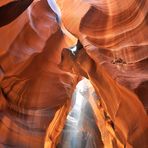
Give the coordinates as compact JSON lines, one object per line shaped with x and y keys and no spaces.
{"x":47,"y":47}
{"x":80,"y":130}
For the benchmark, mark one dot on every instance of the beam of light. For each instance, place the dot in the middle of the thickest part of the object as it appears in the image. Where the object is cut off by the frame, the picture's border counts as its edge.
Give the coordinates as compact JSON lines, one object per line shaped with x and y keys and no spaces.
{"x":75,"y":118}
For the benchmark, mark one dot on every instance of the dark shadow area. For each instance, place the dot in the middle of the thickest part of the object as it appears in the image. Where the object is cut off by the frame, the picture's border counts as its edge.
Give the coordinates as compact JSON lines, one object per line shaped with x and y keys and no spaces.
{"x":142,"y":92}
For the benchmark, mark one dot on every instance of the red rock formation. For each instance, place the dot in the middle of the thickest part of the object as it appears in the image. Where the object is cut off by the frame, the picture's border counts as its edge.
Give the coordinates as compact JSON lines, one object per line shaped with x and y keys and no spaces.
{"x":115,"y":60}
{"x":37,"y":80}
{"x":33,"y":88}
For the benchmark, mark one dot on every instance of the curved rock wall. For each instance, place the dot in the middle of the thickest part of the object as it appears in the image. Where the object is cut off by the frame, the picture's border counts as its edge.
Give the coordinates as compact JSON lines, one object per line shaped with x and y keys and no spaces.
{"x":114,"y":37}
{"x":34,"y":92}
{"x":37,"y":79}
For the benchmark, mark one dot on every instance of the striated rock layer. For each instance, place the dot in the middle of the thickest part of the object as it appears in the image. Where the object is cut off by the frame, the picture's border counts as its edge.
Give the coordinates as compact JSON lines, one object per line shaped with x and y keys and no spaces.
{"x":38,"y":73}
{"x":114,"y":36}
{"x":34,"y":93}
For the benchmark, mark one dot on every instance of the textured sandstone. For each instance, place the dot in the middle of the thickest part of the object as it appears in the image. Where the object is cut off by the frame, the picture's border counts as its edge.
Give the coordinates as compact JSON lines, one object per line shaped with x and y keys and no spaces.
{"x":33,"y":88}
{"x":38,"y":77}
{"x":115,"y":60}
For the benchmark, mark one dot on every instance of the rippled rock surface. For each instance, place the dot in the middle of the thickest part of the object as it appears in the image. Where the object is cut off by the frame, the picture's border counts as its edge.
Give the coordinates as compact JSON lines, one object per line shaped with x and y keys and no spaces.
{"x":34,"y":92}
{"x":38,"y":72}
{"x":114,"y":38}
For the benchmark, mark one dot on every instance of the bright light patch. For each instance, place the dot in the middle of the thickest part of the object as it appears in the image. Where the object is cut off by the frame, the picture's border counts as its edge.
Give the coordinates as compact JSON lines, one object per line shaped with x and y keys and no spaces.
{"x":79,"y":101}
{"x":80,"y":88}
{"x":73,"y":49}
{"x":73,"y":132}
{"x":54,"y":7}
